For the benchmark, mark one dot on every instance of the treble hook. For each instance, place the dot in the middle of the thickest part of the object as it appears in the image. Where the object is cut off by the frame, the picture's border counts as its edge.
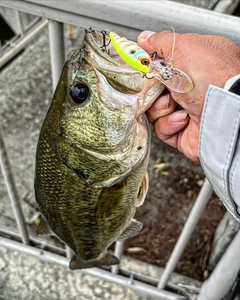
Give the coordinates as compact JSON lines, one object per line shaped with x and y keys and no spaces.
{"x":104,"y":45}
{"x":145,"y":75}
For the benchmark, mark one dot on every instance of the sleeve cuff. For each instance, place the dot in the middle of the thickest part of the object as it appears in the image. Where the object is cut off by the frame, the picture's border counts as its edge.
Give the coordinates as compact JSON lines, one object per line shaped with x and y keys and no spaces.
{"x":231,"y":82}
{"x":219,"y":145}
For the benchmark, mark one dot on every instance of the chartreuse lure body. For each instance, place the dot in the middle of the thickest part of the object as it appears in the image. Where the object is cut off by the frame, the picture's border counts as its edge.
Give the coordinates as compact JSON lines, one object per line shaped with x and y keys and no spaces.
{"x":131,"y":53}
{"x":140,"y":60}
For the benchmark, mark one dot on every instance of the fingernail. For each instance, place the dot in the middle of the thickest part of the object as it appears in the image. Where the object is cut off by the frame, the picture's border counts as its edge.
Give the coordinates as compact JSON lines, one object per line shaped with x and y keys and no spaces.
{"x":143,"y":36}
{"x":163,"y":103}
{"x":178,"y":116}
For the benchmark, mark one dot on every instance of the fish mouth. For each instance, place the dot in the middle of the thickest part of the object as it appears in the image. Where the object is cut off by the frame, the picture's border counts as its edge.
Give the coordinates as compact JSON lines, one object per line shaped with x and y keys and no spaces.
{"x":99,"y":42}
{"x":121,"y":84}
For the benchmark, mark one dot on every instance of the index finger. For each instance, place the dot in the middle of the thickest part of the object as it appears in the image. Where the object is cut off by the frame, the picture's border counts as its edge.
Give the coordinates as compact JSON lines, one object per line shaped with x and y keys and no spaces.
{"x":161,"y":42}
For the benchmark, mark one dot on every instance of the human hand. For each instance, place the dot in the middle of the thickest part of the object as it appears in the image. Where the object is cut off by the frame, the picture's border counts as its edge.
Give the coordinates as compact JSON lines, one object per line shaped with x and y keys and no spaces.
{"x":206,"y":60}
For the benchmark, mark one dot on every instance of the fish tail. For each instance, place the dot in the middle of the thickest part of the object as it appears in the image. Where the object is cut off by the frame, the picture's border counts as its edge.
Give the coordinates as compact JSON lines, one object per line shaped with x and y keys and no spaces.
{"x":107,"y":260}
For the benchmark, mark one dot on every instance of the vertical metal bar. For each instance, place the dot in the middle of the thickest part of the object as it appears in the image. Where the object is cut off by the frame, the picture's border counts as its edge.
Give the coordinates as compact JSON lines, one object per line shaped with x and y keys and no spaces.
{"x":190,"y":224}
{"x":1,"y":50}
{"x":227,"y":7}
{"x":12,"y":190}
{"x":69,"y":251}
{"x":224,"y":274}
{"x":118,"y":251}
{"x":57,"y":53}
{"x":20,"y":21}
{"x":57,"y":50}
{"x":235,"y":288}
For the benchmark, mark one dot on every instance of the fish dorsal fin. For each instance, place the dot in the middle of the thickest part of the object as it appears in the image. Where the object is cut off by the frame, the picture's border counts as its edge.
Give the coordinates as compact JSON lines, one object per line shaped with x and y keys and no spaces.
{"x":143,"y":190}
{"x":133,"y":229}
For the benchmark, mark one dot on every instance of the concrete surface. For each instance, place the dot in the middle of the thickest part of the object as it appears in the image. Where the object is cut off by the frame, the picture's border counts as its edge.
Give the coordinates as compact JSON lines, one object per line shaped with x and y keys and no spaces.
{"x":24,"y":277}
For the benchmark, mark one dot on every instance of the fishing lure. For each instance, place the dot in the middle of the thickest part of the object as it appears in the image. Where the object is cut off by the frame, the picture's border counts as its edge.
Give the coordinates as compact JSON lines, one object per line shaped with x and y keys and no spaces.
{"x":140,"y":60}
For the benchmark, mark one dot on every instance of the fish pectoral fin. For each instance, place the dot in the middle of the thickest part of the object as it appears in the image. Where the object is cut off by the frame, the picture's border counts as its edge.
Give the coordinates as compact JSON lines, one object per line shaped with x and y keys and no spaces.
{"x":108,"y":201}
{"x":42,"y":227}
{"x":143,"y":190}
{"x":107,"y":260}
{"x":133,"y":229}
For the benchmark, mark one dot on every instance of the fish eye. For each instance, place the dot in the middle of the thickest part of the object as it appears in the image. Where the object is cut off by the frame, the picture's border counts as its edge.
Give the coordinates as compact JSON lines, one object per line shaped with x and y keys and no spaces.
{"x":79,"y":93}
{"x":145,"y":62}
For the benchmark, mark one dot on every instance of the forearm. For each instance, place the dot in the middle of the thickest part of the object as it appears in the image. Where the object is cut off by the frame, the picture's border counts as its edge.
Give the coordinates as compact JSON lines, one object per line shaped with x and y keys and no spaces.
{"x":219,"y":145}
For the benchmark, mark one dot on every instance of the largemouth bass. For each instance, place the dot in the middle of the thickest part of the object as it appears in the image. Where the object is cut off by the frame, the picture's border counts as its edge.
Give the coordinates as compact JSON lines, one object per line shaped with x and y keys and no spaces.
{"x":93,"y":151}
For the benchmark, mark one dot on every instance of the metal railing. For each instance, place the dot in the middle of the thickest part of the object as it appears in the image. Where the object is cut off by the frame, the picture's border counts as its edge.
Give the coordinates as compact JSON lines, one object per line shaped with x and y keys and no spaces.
{"x":138,"y":15}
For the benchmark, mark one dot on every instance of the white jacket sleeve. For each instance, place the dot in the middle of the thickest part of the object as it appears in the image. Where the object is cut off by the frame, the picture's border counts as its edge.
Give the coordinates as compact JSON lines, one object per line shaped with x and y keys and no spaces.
{"x":219,"y":145}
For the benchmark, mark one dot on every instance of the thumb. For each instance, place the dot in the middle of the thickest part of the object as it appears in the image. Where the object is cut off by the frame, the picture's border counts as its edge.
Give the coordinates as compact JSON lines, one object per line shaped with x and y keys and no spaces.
{"x":161,"y":42}
{"x":143,"y":39}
